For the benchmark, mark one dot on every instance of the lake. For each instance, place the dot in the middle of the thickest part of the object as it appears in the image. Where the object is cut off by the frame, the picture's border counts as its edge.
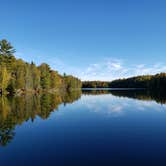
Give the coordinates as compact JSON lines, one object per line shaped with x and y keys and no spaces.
{"x":84,"y":128}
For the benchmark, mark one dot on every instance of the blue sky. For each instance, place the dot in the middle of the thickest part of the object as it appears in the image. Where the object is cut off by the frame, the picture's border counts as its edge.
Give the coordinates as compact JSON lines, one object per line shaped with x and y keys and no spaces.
{"x":92,"y":39}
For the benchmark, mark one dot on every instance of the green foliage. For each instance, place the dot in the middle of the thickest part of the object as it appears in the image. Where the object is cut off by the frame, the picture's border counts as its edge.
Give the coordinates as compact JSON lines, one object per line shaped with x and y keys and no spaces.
{"x":19,"y":76}
{"x":56,"y":80}
{"x":157,"y":81}
{"x":4,"y":78}
{"x":71,"y":82}
{"x":45,"y":75}
{"x":6,"y":48}
{"x":35,"y":75}
{"x":20,"y":73}
{"x":95,"y":84}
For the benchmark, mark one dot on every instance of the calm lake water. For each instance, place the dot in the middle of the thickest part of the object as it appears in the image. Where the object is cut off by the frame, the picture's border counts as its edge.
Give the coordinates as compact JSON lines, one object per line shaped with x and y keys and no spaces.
{"x":86,"y":128}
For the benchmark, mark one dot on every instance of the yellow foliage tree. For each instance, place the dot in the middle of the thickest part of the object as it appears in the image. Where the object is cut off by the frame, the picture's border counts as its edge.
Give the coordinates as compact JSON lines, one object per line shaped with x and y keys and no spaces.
{"x":4,"y":79}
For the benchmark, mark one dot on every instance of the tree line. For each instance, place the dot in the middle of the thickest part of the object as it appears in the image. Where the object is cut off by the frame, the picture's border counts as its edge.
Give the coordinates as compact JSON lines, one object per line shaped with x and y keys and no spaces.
{"x":19,"y":76}
{"x":157,"y":82}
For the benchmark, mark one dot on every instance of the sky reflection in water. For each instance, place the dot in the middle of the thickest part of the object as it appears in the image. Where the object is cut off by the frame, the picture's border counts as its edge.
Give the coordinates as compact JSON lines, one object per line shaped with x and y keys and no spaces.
{"x":95,"y":128}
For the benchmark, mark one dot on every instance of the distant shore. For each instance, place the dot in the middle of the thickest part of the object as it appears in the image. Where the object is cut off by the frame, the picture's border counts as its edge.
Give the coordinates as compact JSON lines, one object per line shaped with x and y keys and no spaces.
{"x":113,"y":88}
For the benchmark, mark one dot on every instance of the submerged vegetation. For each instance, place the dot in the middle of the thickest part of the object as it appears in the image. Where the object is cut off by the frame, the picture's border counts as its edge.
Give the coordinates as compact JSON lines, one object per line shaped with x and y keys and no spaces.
{"x":155,"y":82}
{"x":19,"y":76}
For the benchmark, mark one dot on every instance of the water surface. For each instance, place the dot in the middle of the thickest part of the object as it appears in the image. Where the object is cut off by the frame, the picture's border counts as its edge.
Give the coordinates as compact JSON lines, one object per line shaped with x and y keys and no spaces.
{"x":99,"y":127}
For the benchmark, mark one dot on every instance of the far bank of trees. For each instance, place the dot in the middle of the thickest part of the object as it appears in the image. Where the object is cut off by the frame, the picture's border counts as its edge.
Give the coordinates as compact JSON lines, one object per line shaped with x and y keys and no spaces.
{"x":157,"y":82}
{"x":18,"y":75}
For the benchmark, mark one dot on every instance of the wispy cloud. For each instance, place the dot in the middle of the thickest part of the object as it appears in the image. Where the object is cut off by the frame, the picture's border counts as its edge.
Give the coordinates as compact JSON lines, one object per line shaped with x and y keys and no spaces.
{"x":108,"y":69}
{"x":111,"y":69}
{"x":113,"y":106}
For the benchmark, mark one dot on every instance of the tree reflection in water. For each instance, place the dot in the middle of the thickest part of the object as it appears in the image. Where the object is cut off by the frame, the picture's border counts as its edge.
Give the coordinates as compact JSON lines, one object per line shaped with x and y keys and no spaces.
{"x":158,"y":96}
{"x":16,"y":110}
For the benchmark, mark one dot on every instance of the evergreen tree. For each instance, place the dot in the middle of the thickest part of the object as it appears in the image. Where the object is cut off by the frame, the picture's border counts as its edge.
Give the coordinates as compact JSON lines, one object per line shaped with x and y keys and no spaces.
{"x":19,"y":76}
{"x":6,"y":48}
{"x":35,"y":76}
{"x":44,"y":76}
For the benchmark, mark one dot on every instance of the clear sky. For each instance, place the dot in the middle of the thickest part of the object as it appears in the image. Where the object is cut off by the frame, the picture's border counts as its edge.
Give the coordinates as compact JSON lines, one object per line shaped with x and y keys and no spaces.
{"x":92,"y":39}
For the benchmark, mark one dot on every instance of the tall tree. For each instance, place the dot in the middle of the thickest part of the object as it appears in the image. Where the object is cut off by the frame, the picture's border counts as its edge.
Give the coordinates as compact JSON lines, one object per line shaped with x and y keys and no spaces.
{"x":19,"y":76}
{"x":55,"y":80}
{"x":6,"y":48}
{"x":35,"y":76}
{"x":45,"y":76}
{"x":4,"y":79}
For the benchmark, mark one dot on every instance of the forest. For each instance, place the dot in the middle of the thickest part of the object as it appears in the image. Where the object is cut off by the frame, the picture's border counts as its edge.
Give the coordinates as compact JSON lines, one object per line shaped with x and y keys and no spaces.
{"x":18,"y":76}
{"x":155,"y":82}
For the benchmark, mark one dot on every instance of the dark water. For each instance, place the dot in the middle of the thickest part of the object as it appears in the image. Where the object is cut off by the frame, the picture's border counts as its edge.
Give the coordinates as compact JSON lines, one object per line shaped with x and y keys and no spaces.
{"x":86,"y":128}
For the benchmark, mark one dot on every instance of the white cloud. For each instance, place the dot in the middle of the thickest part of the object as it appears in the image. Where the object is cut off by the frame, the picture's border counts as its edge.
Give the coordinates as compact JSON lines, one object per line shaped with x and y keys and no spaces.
{"x":111,"y":69}
{"x":113,"y":106}
{"x":114,"y":65}
{"x":107,"y":69}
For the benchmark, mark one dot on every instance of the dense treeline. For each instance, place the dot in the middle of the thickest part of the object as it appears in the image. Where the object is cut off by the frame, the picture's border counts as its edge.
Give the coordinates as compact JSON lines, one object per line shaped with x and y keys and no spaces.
{"x":95,"y":84}
{"x":157,"y":81}
{"x":19,"y":76}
